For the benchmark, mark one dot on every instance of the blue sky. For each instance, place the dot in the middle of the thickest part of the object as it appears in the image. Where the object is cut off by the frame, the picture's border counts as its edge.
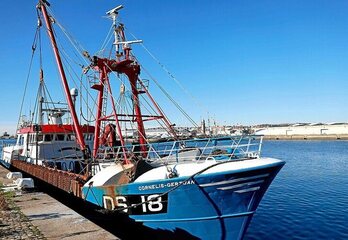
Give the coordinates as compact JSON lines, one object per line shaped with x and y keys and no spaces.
{"x":246,"y":62}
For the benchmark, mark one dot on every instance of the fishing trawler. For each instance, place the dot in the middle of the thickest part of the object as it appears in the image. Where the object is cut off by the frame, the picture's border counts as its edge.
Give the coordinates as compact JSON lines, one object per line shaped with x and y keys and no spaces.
{"x":207,"y":188}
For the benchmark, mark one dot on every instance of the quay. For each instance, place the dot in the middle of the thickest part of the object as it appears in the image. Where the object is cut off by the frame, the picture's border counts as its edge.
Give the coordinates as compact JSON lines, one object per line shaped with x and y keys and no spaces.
{"x":36,"y":215}
{"x":304,"y":131}
{"x":306,"y":137}
{"x":297,"y":131}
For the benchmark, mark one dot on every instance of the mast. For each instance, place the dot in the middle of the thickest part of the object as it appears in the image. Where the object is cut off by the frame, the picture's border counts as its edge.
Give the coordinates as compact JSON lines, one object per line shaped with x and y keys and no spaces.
{"x":125,"y":66}
{"x":123,"y":63}
{"x":76,"y":125}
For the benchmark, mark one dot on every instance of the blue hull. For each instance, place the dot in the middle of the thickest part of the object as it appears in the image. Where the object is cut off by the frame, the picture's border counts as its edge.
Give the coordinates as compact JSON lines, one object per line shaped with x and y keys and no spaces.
{"x":211,"y":206}
{"x":5,"y":164}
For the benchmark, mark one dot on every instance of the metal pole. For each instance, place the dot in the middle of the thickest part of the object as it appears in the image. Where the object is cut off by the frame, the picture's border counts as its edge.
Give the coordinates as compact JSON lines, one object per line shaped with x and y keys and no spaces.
{"x":166,"y":120}
{"x":118,"y":127}
{"x":142,"y":135}
{"x":76,"y":125}
{"x":99,"y":112}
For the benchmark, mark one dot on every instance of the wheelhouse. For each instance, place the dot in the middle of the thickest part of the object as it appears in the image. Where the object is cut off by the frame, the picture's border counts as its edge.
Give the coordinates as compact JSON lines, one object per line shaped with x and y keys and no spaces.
{"x":53,"y":145}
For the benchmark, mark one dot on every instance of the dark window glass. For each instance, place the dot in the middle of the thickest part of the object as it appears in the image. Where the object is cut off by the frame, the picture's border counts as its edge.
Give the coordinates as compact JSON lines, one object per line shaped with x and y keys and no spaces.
{"x":90,"y":137}
{"x":39,"y":137}
{"x":70,"y":137}
{"x":60,"y":137}
{"x":21,"y":140}
{"x":48,"y":137}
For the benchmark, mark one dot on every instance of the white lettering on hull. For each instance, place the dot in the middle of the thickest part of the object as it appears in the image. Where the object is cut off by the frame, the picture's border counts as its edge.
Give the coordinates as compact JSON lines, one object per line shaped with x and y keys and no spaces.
{"x":164,"y":185}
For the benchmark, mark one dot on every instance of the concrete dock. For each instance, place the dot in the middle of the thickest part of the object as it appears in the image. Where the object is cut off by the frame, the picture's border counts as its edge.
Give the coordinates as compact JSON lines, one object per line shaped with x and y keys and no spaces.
{"x":306,"y":137}
{"x":40,"y":216}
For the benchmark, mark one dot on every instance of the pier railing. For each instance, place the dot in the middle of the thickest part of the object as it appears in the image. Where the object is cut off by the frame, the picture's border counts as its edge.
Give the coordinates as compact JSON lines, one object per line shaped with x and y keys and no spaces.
{"x":221,"y":148}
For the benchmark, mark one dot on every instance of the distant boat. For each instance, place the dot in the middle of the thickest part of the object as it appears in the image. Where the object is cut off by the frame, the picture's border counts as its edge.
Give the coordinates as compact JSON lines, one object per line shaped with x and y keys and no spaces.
{"x":206,"y":188}
{"x":5,"y":136}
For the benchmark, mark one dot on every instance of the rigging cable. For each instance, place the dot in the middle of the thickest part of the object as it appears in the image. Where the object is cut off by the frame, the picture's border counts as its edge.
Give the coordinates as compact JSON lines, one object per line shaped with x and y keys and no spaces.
{"x":34,"y":45}
{"x":165,"y":163}
{"x":170,"y":97}
{"x":107,"y":39}
{"x":74,"y":43}
{"x":139,"y":102}
{"x":68,"y":69}
{"x":78,"y":47}
{"x":171,"y":75}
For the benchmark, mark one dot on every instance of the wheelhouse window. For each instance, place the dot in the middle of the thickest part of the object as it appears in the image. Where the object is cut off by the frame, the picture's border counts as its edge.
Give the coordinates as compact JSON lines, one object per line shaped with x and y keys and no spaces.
{"x":30,"y":138}
{"x":20,"y":140}
{"x":48,"y":137}
{"x":88,"y":137}
{"x":39,"y":137}
{"x":60,"y":137}
{"x":70,"y":137}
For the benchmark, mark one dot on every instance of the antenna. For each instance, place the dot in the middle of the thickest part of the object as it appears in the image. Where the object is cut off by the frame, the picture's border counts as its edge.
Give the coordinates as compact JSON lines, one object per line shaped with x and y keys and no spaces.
{"x":118,"y":31}
{"x":112,"y":14}
{"x":129,"y":42}
{"x":114,"y":11}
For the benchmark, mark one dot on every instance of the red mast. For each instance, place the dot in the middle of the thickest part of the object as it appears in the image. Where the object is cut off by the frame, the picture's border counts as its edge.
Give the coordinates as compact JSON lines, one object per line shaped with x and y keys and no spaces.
{"x":126,"y":64}
{"x":132,"y":70}
{"x":78,"y":131}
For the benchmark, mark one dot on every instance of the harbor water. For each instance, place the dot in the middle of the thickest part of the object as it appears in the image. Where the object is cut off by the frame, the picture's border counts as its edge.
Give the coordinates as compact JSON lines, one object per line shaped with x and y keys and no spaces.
{"x":309,"y":197}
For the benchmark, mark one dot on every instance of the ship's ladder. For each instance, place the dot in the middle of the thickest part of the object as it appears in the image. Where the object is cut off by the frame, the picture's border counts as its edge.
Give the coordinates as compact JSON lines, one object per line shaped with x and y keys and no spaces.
{"x":105,"y":106}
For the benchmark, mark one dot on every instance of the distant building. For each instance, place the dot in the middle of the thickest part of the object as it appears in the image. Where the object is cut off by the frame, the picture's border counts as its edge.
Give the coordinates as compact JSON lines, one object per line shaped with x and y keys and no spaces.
{"x":304,"y":130}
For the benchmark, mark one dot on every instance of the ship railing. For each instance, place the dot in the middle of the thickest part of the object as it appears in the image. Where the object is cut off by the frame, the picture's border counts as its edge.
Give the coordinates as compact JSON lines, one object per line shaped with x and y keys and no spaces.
{"x":218,"y":148}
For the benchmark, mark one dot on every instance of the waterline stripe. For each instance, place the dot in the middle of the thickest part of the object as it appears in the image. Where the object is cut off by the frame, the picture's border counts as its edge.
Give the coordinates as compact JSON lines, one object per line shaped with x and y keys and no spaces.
{"x":248,"y":190}
{"x":233,"y":180}
{"x":241,"y":185}
{"x":199,"y":218}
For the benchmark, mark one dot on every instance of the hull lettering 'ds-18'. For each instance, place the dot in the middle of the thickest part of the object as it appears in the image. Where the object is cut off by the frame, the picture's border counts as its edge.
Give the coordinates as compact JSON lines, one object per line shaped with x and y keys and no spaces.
{"x":137,"y":204}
